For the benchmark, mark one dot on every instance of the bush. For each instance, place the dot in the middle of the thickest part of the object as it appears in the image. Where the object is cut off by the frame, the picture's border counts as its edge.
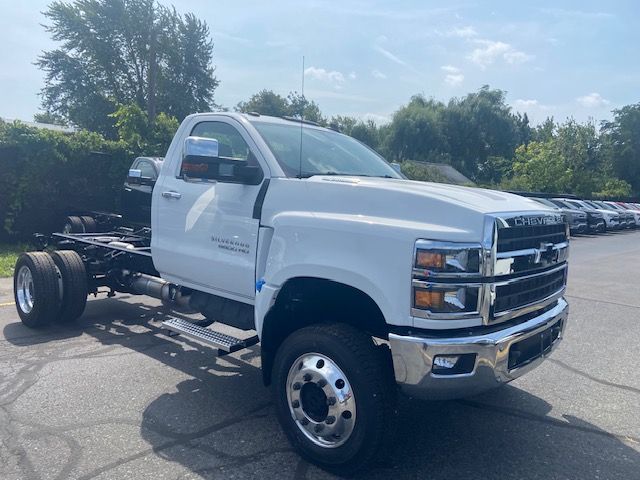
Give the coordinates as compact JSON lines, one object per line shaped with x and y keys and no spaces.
{"x":48,"y":174}
{"x":45,"y":174}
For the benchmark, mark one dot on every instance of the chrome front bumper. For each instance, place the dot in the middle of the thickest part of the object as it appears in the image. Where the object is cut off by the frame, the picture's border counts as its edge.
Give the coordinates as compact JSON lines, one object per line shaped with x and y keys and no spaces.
{"x":413,"y":357}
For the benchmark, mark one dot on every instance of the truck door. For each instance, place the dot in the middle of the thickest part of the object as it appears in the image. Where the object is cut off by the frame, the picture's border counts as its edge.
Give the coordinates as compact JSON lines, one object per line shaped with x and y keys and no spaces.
{"x":204,"y":233}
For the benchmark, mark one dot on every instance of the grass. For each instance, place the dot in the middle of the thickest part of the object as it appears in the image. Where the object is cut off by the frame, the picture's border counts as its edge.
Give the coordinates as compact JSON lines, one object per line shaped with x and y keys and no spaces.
{"x":8,"y":256}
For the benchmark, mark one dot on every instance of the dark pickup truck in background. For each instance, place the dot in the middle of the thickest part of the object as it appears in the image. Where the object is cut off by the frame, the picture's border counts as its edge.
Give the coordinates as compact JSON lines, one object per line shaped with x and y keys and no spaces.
{"x":135,"y":202}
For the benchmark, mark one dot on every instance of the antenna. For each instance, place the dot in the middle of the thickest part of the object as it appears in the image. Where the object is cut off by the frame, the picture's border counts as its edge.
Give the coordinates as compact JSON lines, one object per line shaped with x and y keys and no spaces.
{"x":301,"y":121}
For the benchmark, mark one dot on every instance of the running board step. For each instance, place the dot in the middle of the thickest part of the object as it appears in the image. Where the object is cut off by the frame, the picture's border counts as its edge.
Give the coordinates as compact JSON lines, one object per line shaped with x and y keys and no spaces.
{"x":224,"y":343}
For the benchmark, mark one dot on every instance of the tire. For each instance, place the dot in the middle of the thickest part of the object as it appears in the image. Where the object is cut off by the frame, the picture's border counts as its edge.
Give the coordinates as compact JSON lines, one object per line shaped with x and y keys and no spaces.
{"x":74,"y":285}
{"x":73,"y":224}
{"x":90,"y":224}
{"x":368,"y":377}
{"x":36,"y":289}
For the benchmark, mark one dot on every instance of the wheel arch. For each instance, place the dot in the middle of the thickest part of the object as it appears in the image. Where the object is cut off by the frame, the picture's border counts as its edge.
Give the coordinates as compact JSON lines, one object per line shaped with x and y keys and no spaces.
{"x":304,"y":300}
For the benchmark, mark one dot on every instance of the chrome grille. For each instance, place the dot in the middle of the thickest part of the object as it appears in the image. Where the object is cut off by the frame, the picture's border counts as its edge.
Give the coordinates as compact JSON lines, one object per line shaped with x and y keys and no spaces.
{"x":531,"y":253}
{"x":529,"y":290}
{"x":524,"y":237}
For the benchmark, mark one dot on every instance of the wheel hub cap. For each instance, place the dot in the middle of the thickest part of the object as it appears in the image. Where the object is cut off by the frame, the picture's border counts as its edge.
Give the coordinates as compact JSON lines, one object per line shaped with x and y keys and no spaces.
{"x":321,"y":400}
{"x":24,"y":289}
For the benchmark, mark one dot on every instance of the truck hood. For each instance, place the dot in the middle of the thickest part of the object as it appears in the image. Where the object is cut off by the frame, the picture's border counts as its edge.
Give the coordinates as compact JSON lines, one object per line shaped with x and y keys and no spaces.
{"x":449,"y":212}
{"x":476,"y":199}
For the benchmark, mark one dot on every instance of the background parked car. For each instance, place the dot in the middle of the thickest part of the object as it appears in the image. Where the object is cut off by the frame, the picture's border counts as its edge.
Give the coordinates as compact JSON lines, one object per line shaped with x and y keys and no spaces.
{"x":632,"y":215}
{"x":577,"y":218}
{"x":622,"y":220}
{"x":626,"y":220}
{"x":596,"y":222}
{"x":135,"y":201}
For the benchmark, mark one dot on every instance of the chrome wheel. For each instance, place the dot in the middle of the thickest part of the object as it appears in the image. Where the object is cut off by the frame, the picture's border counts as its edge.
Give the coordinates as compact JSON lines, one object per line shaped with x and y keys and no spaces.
{"x":321,"y":400}
{"x":24,"y":289}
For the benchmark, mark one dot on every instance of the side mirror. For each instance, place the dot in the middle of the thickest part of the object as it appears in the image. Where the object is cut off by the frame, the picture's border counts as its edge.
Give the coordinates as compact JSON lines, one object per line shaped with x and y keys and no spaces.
{"x":134,"y":176}
{"x":200,"y":148}
{"x":397,"y":167}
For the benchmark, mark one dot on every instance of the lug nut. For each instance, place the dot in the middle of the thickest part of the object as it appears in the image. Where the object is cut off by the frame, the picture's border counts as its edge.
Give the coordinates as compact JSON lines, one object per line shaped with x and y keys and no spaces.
{"x":304,"y":421}
{"x":295,"y":404}
{"x":297,"y":386}
{"x":330,"y":420}
{"x":331,"y":401}
{"x":322,"y":382}
{"x":307,"y":377}
{"x":319,"y":428}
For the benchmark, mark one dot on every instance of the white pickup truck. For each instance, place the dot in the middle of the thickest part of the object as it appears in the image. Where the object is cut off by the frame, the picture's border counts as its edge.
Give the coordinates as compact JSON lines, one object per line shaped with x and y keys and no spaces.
{"x":354,"y":280}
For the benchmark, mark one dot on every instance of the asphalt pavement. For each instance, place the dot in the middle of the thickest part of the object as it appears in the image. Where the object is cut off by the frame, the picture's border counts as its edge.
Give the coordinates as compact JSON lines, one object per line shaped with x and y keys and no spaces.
{"x":112,"y":397}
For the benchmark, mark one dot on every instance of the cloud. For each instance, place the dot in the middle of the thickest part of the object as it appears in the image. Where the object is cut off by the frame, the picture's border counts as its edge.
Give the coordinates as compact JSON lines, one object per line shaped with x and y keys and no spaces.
{"x":450,"y":69}
{"x":378,"y":74}
{"x":489,"y":51}
{"x":352,"y":76}
{"x":462,"y":32}
{"x":454,"y":79}
{"x":232,"y":38}
{"x":593,"y":100}
{"x":390,"y":56}
{"x":337,"y":95}
{"x":377,"y":46}
{"x":574,"y":14}
{"x":332,"y":77}
{"x":521,"y":103}
{"x":454,"y":75}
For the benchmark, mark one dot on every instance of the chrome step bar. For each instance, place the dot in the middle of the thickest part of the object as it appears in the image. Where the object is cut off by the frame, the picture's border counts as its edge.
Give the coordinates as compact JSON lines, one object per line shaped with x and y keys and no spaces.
{"x":223,"y":342}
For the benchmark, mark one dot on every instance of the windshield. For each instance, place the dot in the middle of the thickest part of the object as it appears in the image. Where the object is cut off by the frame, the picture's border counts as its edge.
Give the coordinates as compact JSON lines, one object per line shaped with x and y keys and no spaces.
{"x":575,"y":204}
{"x":546,"y":202}
{"x":323,"y":152}
{"x":603,"y":205}
{"x":569,"y":204}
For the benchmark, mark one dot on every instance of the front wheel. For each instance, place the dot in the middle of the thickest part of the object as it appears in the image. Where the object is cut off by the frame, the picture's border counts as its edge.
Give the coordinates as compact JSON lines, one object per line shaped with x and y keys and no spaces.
{"x":335,"y":396}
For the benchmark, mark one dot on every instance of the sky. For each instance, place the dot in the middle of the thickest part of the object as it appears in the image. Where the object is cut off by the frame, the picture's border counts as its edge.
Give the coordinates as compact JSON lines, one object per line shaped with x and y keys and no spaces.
{"x":577,"y":59}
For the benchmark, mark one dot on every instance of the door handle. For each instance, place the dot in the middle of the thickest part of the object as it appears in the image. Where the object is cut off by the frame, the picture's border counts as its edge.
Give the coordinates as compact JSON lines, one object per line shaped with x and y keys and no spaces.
{"x":172,"y":194}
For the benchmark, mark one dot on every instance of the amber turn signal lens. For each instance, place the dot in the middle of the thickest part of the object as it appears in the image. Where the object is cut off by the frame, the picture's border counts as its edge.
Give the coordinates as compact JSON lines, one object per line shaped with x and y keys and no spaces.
{"x":428,"y":299}
{"x":426,"y":259}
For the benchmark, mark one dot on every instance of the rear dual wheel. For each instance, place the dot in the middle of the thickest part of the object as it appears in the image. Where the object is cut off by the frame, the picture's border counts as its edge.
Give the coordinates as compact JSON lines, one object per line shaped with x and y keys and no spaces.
{"x":80,"y":224}
{"x":49,"y":288}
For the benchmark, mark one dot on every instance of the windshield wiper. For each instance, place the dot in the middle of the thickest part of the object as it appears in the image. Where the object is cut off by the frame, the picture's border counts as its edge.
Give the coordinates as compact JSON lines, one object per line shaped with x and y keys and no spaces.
{"x":331,"y":174}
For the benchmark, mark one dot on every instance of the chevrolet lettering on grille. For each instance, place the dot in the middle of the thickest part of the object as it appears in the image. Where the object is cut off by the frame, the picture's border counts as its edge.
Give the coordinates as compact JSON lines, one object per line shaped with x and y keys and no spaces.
{"x":529,"y":221}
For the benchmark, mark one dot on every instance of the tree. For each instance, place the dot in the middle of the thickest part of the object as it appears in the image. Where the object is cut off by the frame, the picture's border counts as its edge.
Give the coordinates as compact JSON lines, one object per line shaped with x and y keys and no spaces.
{"x":141,"y":136}
{"x":622,"y":140}
{"x":121,"y":52}
{"x":539,"y":168}
{"x":301,"y":107}
{"x":50,"y":118}
{"x":544,"y":131}
{"x":416,"y":130}
{"x":481,"y":125}
{"x":267,"y":102}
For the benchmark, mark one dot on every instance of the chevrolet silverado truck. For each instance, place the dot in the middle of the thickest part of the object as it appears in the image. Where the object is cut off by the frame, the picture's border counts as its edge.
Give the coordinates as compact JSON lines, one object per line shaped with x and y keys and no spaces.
{"x":356,"y":282}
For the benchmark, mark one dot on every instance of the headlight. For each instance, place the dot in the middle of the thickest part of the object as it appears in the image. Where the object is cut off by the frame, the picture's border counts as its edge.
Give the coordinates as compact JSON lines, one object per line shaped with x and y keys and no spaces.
{"x":447,"y":258}
{"x":446,"y":299}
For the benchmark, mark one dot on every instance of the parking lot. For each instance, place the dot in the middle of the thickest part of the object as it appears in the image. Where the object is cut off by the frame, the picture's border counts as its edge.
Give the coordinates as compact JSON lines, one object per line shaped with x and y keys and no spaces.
{"x":112,"y":397}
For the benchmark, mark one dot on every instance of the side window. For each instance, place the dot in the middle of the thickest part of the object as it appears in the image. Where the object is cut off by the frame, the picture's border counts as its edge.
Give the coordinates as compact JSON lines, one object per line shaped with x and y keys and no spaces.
{"x":147,"y":169}
{"x":232,"y":150}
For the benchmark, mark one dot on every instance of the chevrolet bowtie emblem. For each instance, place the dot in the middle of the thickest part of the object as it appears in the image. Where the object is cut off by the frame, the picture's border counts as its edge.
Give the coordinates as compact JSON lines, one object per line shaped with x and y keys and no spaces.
{"x":545,"y":252}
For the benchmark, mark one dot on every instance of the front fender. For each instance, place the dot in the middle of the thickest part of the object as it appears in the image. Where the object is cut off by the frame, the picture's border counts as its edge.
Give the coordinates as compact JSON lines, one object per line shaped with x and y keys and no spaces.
{"x":372,"y":255}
